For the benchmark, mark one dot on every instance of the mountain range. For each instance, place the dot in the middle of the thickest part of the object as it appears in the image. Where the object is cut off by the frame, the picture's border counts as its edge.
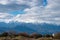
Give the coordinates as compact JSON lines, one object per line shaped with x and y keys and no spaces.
{"x":29,"y":27}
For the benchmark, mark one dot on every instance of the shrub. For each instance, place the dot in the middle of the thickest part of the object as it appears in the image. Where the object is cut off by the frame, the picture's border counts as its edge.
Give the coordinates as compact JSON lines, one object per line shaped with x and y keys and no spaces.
{"x":47,"y":35}
{"x":23,"y":34}
{"x":4,"y":34}
{"x":34,"y":35}
{"x":56,"y":36}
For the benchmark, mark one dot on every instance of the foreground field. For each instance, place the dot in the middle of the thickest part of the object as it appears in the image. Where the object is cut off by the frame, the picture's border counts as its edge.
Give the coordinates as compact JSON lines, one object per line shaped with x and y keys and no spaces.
{"x":25,"y":38}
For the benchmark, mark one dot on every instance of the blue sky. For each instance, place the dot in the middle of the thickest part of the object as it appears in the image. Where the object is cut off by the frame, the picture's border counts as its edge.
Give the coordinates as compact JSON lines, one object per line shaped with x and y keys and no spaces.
{"x":30,"y":11}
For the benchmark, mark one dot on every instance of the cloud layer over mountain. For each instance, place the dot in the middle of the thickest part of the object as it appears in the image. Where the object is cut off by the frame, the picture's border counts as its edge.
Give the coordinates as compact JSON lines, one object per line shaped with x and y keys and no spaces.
{"x":30,"y":11}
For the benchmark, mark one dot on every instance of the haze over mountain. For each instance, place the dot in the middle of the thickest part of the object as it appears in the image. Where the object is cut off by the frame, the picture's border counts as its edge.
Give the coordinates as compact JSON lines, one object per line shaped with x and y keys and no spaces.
{"x":29,"y":27}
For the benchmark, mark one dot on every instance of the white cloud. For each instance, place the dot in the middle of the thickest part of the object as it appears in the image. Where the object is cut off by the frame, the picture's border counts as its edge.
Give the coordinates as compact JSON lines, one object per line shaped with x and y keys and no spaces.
{"x":5,"y":17}
{"x":4,"y":2}
{"x":48,"y":14}
{"x":25,"y":2}
{"x":37,"y":12}
{"x":31,"y":3}
{"x":13,"y":5}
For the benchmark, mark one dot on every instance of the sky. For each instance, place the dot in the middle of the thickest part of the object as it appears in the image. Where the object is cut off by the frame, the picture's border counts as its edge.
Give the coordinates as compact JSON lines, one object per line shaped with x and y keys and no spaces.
{"x":30,"y":11}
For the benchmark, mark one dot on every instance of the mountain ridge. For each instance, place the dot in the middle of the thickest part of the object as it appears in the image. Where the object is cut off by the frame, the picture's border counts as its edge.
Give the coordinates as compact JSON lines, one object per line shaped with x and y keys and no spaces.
{"x":29,"y":27}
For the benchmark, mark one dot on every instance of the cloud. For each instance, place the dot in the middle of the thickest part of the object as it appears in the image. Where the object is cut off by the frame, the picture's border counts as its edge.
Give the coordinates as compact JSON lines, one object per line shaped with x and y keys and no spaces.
{"x":8,"y":6}
{"x":4,"y":2}
{"x":45,"y":14}
{"x":31,"y":3}
{"x":12,"y":7}
{"x":5,"y":17}
{"x":35,"y":11}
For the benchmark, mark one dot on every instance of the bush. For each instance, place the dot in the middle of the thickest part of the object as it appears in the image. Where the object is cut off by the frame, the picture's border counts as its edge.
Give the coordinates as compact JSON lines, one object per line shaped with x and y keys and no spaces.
{"x":5,"y":34}
{"x":47,"y":35}
{"x":23,"y":34}
{"x":34,"y":35}
{"x":56,"y":36}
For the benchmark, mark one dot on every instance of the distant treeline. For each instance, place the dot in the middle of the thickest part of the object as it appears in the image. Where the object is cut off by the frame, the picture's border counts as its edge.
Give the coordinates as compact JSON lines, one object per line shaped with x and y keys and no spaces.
{"x":33,"y":35}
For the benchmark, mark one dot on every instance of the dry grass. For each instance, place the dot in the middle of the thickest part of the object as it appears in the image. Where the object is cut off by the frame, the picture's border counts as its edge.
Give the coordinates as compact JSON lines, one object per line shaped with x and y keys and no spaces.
{"x":25,"y":38}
